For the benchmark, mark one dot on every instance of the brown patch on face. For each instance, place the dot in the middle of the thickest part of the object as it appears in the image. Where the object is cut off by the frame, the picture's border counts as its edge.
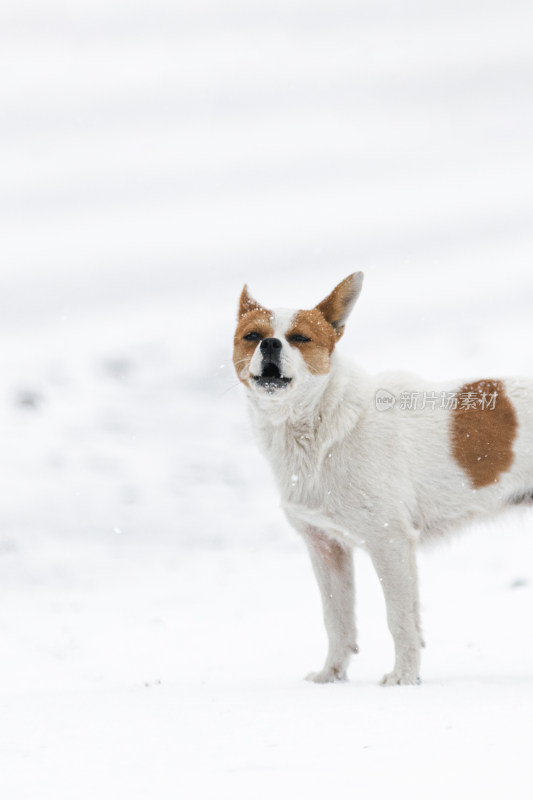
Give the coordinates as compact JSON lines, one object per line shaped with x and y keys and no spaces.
{"x":484,"y":427}
{"x":256,"y":321}
{"x":316,"y":352}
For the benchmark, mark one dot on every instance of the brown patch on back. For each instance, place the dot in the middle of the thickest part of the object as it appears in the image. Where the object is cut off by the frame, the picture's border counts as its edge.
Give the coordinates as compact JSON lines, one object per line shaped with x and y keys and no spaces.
{"x":315,"y":353}
{"x":258,"y":320}
{"x":483,"y":432}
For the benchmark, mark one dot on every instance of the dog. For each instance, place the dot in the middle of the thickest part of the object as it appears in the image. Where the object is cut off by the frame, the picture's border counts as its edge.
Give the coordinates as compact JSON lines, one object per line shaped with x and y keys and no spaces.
{"x":379,"y":462}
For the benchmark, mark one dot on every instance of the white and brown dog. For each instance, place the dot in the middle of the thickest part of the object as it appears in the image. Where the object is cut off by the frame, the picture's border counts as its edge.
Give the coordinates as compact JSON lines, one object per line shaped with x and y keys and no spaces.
{"x":378,"y":462}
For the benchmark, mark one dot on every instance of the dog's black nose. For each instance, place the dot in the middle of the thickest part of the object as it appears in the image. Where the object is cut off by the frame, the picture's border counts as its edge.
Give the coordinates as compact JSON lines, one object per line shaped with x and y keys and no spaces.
{"x":270,"y":347}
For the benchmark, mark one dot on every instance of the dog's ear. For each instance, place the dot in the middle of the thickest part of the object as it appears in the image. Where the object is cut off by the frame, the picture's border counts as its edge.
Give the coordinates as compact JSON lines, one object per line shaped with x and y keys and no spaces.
{"x":337,"y":306}
{"x":247,"y":303}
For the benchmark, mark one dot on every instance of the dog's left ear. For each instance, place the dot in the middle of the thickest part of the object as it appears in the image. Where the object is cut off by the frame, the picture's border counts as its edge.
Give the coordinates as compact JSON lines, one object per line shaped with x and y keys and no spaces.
{"x":247,"y":303}
{"x":337,"y":306}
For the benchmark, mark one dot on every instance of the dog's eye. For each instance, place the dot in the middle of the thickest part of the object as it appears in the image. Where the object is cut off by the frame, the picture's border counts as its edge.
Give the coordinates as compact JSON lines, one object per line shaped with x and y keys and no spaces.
{"x":252,"y":337}
{"x":297,"y":337}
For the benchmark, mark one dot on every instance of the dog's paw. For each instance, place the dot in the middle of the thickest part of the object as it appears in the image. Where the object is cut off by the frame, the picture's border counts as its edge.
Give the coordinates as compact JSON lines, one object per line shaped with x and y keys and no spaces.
{"x":398,"y":678}
{"x":329,"y":675}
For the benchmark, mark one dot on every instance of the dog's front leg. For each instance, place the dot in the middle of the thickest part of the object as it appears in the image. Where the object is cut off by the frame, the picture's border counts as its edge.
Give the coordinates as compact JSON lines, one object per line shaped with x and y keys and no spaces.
{"x":333,"y":567}
{"x":395,"y":561}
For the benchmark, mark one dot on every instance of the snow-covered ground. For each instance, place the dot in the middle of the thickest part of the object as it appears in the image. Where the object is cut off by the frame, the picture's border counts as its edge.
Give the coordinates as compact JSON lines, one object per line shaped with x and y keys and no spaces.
{"x":157,"y":614}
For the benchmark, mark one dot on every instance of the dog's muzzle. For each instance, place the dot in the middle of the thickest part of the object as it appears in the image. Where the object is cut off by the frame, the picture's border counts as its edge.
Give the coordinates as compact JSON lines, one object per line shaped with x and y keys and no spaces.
{"x":271,"y":377}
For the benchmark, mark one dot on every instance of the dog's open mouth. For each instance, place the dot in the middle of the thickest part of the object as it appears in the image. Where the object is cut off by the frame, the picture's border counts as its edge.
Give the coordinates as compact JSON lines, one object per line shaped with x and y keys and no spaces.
{"x":271,"y":378}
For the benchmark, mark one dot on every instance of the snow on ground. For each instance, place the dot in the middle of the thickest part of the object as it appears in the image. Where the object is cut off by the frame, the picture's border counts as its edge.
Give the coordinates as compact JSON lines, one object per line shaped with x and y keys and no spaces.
{"x":157,"y":614}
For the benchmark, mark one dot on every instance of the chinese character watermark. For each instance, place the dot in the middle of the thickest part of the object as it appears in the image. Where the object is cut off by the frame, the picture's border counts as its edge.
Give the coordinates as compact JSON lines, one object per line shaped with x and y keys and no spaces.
{"x":431,"y":401}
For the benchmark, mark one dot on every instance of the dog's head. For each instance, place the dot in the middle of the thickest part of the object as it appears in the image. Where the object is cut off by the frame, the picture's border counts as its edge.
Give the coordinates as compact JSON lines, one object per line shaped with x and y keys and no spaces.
{"x":278,"y":351}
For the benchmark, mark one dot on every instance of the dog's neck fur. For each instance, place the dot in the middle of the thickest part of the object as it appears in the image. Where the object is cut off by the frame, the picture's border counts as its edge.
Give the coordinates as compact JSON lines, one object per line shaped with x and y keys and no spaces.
{"x":297,"y":432}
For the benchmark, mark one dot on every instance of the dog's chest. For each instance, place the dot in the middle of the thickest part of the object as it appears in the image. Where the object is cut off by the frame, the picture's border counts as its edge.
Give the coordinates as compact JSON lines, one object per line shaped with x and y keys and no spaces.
{"x":301,"y":463}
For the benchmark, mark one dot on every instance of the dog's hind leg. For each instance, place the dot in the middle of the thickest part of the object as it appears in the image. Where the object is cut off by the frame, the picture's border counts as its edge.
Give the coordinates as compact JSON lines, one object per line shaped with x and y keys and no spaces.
{"x":333,"y":567}
{"x":395,"y":562}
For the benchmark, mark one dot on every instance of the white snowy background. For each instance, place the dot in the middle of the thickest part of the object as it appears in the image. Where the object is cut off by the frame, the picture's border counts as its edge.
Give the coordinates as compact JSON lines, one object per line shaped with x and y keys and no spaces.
{"x":157,"y":614}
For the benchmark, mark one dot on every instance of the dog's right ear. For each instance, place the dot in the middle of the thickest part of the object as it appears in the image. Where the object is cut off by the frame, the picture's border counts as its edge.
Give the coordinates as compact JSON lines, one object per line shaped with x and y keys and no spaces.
{"x":247,"y":303}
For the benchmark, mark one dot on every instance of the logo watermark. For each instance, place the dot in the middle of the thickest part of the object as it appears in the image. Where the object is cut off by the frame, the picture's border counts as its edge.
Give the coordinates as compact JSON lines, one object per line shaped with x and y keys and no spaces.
{"x":385,"y":400}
